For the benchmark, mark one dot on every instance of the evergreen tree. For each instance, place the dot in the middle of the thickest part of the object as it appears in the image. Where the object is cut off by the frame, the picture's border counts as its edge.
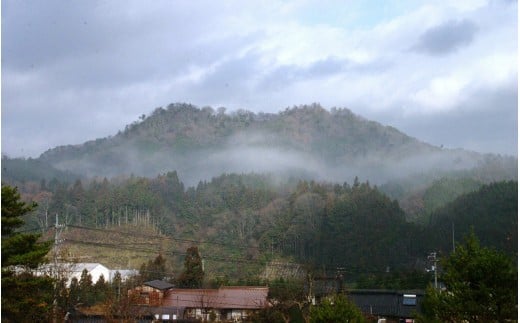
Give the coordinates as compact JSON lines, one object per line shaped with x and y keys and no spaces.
{"x":481,"y":286}
{"x":116,"y":285}
{"x":74,"y":294}
{"x":19,"y":249}
{"x":25,"y":297}
{"x":193,"y":275}
{"x":154,"y":270}
{"x":101,"y":290}
{"x":86,"y":294}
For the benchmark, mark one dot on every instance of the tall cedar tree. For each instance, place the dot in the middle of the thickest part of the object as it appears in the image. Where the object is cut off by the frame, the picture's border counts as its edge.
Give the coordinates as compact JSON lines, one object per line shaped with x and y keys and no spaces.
{"x":25,"y":297}
{"x":193,"y":275}
{"x":154,"y":270}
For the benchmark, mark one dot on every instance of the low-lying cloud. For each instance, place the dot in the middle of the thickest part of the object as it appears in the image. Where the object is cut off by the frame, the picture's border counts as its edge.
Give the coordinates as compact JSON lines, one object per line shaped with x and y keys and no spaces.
{"x":259,"y":153}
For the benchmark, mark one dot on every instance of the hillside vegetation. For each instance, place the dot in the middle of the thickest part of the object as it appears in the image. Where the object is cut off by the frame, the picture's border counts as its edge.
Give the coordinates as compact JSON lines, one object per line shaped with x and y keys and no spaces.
{"x":491,"y":211}
{"x":307,"y":188}
{"x":243,"y":222}
{"x":307,"y":142}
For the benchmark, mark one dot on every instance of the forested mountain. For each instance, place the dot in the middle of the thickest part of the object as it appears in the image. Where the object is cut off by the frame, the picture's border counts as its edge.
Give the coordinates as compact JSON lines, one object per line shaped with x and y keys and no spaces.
{"x":18,"y":170}
{"x":248,"y":189}
{"x":307,"y":142}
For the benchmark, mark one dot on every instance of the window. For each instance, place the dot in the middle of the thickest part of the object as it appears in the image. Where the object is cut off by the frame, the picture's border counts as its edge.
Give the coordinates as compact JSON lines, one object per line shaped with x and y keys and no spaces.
{"x":144,"y":296}
{"x":409,"y":299}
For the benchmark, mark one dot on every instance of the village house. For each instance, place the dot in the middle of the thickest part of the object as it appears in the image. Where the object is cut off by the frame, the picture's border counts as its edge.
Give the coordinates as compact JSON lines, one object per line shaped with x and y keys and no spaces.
{"x":151,"y":293}
{"x":390,"y":305}
{"x":394,"y":305}
{"x":228,"y":303}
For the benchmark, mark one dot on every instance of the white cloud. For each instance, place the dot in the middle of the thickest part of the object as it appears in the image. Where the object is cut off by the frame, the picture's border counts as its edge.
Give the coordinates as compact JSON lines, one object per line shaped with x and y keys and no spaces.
{"x":496,"y":69}
{"x":442,"y":93}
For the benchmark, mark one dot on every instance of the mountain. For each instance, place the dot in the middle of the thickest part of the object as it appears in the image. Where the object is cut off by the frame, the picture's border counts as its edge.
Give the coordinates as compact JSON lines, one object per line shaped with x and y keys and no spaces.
{"x":306,"y":193}
{"x":19,"y":170}
{"x":305,"y":142}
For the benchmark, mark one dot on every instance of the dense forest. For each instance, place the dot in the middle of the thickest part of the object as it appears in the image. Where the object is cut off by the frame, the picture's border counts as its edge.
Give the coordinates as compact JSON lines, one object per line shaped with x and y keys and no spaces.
{"x":252,"y":219}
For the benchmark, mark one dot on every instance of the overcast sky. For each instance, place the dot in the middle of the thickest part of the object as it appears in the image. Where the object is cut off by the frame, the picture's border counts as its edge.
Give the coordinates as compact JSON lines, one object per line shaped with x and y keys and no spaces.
{"x":444,"y":72}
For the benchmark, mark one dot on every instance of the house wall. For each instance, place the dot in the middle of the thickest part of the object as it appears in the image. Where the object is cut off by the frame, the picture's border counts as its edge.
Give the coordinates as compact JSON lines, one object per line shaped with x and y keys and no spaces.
{"x":226,"y":303}
{"x":146,"y":295}
{"x":238,"y":315}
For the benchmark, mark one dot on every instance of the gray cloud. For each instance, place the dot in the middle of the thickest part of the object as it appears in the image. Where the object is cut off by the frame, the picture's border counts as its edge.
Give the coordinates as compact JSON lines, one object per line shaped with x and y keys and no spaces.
{"x":486,"y":122}
{"x":446,"y":38}
{"x":286,"y":75}
{"x":90,"y":44}
{"x":75,"y":71}
{"x":229,"y":79}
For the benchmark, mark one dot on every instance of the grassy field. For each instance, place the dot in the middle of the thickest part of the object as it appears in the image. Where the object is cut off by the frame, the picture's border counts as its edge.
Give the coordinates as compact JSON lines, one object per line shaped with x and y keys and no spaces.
{"x":125,"y":247}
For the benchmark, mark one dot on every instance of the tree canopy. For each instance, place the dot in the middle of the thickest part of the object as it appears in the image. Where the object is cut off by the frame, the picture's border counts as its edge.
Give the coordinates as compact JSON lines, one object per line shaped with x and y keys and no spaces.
{"x":336,"y":309}
{"x":154,"y":270}
{"x":19,"y":249}
{"x":24,"y":296}
{"x":481,"y":286}
{"x":193,"y":273}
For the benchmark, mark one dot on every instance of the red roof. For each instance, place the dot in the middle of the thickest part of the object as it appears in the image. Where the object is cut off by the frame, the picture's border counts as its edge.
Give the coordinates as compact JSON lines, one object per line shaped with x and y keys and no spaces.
{"x":223,"y":298}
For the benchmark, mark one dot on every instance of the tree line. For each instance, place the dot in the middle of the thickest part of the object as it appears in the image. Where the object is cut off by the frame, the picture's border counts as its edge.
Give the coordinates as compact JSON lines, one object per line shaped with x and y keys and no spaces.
{"x":323,"y":225}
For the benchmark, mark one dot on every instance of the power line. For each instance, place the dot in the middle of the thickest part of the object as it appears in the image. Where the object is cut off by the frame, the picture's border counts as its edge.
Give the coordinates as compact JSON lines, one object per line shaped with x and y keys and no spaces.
{"x":215,"y":258}
{"x":174,"y":253}
{"x":199,"y":242}
{"x":142,"y":248}
{"x":126,"y":246}
{"x":34,"y":229}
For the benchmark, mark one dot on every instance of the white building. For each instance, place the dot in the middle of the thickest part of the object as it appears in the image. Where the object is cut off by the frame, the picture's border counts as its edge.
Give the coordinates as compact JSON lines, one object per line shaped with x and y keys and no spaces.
{"x":74,"y":270}
{"x":96,"y":270}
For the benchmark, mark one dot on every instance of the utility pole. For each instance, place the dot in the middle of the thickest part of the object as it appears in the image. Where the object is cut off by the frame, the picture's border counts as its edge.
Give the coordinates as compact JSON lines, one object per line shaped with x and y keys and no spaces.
{"x":433,"y":257}
{"x":453,"y":235}
{"x":57,"y":233}
{"x":310,"y":292}
{"x":339,"y":279}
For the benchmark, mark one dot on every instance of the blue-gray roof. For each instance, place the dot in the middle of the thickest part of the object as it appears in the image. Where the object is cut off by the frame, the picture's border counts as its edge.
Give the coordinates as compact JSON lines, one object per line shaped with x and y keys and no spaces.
{"x":159,"y":284}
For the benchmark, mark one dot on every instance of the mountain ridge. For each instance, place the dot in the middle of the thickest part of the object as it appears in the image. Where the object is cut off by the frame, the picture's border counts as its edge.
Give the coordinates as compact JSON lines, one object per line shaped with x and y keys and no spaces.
{"x":307,"y":141}
{"x":282,"y":122}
